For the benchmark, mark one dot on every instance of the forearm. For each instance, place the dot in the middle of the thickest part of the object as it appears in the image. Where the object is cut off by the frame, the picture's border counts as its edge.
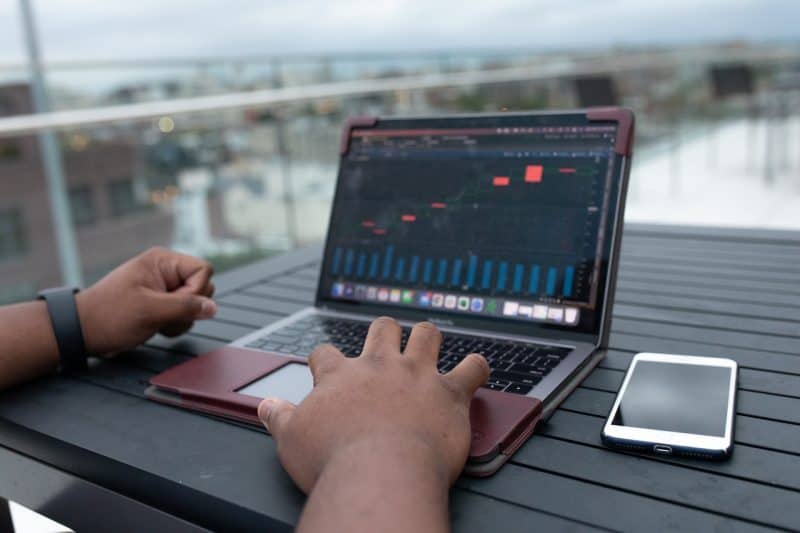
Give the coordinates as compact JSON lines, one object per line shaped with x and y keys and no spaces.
{"x":28,"y":346}
{"x":375,"y":486}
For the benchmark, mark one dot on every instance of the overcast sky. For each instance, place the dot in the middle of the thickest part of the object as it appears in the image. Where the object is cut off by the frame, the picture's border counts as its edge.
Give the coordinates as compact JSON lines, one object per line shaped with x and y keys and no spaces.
{"x":84,"y":29}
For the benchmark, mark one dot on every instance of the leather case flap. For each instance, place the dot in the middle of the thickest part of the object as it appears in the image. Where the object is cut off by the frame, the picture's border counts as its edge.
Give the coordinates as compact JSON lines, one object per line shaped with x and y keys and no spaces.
{"x":501,"y":422}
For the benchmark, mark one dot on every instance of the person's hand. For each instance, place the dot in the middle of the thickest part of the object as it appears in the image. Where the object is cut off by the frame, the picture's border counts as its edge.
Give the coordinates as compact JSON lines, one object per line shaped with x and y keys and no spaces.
{"x":396,"y":405}
{"x":157,"y":291}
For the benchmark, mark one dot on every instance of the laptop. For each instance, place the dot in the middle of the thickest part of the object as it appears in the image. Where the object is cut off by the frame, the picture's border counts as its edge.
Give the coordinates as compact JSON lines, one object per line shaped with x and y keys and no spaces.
{"x":502,"y":229}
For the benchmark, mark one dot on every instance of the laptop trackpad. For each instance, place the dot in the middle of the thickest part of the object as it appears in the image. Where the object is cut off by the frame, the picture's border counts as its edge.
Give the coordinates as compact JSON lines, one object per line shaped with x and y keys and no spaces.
{"x":291,"y":382}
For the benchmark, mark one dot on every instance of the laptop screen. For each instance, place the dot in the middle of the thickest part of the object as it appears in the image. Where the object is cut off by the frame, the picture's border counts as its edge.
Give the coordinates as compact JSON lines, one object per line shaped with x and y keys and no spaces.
{"x":497,"y":221}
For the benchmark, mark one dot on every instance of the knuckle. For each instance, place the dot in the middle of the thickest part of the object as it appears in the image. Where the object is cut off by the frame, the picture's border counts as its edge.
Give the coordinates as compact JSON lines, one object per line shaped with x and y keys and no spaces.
{"x":452,"y":388}
{"x":376,"y":352}
{"x":155,"y":251}
{"x":321,"y":351}
{"x":189,"y":304}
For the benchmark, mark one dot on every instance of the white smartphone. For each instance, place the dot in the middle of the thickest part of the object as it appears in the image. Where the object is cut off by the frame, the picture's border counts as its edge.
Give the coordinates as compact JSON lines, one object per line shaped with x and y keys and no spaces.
{"x":675,"y":405}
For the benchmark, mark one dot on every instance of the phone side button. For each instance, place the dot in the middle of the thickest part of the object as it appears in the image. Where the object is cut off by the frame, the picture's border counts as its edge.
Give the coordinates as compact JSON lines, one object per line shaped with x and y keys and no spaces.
{"x":662,"y":449}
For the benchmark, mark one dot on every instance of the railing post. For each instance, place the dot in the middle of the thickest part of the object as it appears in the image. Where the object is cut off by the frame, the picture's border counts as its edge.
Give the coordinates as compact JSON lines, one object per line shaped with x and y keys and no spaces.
{"x":276,"y":69}
{"x":286,"y":177}
{"x":51,"y":160}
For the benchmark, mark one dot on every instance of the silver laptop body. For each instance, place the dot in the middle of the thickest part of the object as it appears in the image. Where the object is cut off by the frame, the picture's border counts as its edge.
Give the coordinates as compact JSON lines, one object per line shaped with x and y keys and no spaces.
{"x":613,"y":126}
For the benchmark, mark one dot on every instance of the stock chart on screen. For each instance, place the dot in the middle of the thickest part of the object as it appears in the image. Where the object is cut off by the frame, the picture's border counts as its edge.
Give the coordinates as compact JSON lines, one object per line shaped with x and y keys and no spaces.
{"x":499,"y":221}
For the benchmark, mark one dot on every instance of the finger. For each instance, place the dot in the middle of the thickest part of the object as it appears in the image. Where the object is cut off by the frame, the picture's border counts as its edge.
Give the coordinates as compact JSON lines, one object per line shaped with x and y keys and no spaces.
{"x":424,"y":342}
{"x":207,"y":290}
{"x":176,"y":330}
{"x":194,"y":273}
{"x":174,"y":308}
{"x":275,"y":414}
{"x":180,"y":271}
{"x":470,"y":374}
{"x":383,"y":336}
{"x":324,"y":359}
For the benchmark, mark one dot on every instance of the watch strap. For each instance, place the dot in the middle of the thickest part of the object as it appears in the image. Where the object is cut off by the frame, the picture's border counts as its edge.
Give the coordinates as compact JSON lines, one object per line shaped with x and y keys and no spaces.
{"x":66,"y":327}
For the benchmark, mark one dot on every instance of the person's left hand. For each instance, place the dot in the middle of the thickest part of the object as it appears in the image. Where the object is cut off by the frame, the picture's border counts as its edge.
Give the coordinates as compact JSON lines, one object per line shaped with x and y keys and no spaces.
{"x":157,"y":291}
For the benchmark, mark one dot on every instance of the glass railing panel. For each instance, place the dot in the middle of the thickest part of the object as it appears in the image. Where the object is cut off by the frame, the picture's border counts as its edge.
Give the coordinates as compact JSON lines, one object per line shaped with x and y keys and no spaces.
{"x":237,"y":185}
{"x":29,"y":258}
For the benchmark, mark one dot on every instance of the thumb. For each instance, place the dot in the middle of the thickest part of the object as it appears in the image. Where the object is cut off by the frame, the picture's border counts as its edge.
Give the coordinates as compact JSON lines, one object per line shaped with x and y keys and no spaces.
{"x":182,"y":307}
{"x":275,"y":415}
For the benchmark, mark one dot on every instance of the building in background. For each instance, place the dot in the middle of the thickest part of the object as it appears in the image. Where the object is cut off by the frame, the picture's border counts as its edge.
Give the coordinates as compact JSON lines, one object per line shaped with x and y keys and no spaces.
{"x":107,"y":192}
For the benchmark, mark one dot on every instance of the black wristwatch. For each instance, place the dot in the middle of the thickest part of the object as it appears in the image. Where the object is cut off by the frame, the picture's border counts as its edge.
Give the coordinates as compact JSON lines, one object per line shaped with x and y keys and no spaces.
{"x":67,"y":327}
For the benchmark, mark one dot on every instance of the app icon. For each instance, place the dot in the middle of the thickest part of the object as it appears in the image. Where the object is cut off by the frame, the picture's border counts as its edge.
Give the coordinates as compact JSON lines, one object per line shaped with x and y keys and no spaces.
{"x":349,"y":290}
{"x":477,"y":305}
{"x":491,"y":306}
{"x":394,"y":296}
{"x":437,"y":300}
{"x":361,"y":292}
{"x":463,"y":303}
{"x":383,"y":295}
{"x":556,"y":314}
{"x":372,"y":293}
{"x":425,"y":298}
{"x":450,"y":301}
{"x":571,"y":315}
{"x":510,"y":308}
{"x":408,"y":297}
{"x":337,"y":289}
{"x":525,"y":310}
{"x":540,"y":312}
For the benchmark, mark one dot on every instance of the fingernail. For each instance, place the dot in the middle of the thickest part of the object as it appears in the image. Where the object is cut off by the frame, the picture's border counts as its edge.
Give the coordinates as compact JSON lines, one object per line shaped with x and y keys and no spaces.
{"x":208,"y":309}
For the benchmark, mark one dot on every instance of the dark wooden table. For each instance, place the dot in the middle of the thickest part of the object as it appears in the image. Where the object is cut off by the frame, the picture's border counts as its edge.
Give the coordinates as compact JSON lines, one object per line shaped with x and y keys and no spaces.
{"x":92,"y":452}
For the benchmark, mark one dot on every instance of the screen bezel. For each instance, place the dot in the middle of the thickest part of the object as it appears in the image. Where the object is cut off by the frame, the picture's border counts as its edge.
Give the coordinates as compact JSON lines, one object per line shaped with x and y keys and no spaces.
{"x":674,"y":438}
{"x":620,"y":162}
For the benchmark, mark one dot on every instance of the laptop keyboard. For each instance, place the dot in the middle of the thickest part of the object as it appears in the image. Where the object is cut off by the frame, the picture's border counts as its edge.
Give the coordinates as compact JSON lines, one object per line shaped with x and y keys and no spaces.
{"x":516,"y":367}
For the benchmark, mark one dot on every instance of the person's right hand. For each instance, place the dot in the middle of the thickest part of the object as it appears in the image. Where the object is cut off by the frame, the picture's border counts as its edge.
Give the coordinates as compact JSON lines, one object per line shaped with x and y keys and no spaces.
{"x":384,"y":402}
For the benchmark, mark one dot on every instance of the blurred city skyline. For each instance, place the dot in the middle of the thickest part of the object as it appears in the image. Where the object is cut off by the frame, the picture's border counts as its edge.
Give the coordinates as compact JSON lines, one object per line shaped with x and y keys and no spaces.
{"x":87,"y":29}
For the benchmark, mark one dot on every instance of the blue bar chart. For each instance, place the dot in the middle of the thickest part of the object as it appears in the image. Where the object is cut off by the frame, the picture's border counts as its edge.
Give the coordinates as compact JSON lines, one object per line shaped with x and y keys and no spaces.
{"x":470,"y":273}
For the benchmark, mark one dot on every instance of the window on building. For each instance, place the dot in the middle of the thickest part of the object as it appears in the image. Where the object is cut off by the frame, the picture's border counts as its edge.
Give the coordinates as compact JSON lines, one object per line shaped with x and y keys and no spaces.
{"x":13,"y":240}
{"x":123,"y":198}
{"x":6,"y":106}
{"x":82,"y":203}
{"x":9,"y":150}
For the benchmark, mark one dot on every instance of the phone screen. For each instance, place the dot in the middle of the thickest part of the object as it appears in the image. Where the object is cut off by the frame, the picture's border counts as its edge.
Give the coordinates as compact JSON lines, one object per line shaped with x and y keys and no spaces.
{"x":676,"y":397}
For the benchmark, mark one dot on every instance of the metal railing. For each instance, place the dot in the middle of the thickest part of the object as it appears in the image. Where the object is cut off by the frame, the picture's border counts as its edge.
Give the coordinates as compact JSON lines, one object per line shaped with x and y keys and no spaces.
{"x":444,"y":57}
{"x":629,"y":68}
{"x":139,"y":112}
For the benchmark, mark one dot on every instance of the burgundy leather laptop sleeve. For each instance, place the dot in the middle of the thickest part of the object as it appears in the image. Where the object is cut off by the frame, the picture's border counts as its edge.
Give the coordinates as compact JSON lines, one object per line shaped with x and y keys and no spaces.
{"x":501,"y":422}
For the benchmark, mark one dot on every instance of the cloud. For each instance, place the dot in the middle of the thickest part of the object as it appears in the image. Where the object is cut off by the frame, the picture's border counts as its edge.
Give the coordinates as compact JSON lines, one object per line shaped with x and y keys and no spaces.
{"x":72,"y":29}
